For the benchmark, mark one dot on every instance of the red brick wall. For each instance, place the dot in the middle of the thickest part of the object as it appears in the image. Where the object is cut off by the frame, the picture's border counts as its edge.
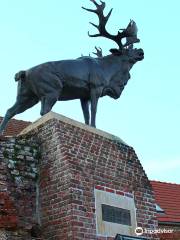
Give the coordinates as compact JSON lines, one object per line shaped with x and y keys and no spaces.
{"x":74,"y":162}
{"x":175,"y":235}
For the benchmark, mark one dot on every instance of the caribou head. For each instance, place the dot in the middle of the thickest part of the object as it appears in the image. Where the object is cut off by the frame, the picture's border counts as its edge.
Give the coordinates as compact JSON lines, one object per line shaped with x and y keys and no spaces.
{"x":130,"y":33}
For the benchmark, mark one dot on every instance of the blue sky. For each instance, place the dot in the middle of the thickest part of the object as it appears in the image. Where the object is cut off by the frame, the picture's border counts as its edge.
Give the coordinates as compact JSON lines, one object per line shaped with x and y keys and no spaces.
{"x":147,"y":115}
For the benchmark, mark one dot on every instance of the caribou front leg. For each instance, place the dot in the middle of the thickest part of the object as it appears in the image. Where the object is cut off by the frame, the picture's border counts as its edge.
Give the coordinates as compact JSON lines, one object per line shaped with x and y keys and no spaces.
{"x":94,"y":102}
{"x":85,"y":108}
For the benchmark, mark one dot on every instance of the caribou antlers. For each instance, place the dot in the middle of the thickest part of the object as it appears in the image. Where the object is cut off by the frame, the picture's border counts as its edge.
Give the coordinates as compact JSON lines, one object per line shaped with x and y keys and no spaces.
{"x":130,"y":33}
{"x":98,"y":52}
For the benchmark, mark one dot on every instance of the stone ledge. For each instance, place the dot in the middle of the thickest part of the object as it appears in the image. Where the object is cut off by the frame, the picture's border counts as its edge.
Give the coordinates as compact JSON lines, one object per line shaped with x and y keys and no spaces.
{"x":53,"y":115}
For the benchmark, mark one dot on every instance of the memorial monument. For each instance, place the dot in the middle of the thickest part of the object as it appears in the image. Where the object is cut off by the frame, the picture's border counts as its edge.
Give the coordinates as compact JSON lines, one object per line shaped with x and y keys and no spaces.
{"x":85,"y":78}
{"x":64,"y":180}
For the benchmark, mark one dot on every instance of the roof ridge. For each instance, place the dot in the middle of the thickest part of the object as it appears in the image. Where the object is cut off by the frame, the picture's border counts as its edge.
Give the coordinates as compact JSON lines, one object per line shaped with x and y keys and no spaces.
{"x":20,"y":120}
{"x":14,"y":127}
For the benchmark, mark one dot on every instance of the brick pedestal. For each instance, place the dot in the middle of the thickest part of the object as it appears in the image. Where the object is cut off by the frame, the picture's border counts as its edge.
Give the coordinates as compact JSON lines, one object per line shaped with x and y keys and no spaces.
{"x":77,"y":164}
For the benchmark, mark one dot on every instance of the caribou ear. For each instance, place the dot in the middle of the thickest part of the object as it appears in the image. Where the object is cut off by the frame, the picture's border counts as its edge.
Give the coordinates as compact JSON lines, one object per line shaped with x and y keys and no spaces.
{"x":115,"y":51}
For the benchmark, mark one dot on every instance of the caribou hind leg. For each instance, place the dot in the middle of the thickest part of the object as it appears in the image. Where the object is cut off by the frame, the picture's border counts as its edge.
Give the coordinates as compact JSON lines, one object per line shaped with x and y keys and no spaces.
{"x":85,"y":108}
{"x":47,"y":102}
{"x":22,"y":104}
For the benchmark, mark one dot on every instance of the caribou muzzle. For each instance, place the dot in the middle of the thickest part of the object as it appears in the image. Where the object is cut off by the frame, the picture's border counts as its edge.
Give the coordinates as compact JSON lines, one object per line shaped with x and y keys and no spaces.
{"x":140,"y":55}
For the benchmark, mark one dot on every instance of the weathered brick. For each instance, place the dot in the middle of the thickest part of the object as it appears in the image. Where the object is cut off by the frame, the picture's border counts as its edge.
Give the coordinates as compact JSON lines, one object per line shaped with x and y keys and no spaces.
{"x":74,"y":161}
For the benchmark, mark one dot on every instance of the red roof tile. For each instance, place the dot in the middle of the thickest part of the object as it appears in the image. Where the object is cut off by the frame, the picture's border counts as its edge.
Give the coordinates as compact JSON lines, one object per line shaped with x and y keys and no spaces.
{"x":14,"y":127}
{"x":167,"y":196}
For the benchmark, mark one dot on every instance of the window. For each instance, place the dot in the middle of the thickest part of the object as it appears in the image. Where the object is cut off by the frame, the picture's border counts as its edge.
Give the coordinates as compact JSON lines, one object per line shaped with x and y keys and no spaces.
{"x":159,"y":209}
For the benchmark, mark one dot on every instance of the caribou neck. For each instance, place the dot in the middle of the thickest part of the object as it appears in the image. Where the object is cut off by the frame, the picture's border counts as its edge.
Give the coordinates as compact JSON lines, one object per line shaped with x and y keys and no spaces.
{"x":112,"y":64}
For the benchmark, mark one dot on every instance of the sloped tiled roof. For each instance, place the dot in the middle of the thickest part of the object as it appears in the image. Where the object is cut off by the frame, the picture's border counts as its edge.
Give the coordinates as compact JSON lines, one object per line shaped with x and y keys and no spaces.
{"x":14,"y":127}
{"x":167,"y":196}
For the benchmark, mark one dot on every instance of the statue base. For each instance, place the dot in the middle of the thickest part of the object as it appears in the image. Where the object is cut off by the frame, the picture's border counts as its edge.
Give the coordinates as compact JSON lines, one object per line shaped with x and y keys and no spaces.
{"x":85,"y":184}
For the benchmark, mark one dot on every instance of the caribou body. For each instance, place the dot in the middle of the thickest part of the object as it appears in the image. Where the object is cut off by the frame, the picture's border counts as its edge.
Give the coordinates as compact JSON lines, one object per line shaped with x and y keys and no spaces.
{"x":85,"y":78}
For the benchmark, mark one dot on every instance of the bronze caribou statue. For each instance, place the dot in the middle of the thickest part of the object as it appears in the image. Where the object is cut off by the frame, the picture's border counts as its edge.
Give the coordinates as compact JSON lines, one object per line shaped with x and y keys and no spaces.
{"x":85,"y":78}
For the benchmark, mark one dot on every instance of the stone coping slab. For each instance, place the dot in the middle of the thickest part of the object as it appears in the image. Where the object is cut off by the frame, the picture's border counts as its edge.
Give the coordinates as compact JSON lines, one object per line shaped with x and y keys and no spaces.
{"x":59,"y":117}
